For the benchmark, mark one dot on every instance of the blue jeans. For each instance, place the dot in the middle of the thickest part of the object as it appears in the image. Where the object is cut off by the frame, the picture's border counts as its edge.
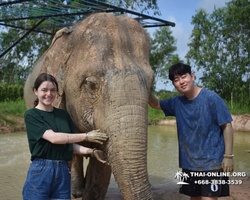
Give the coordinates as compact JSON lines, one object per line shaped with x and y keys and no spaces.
{"x":47,"y":180}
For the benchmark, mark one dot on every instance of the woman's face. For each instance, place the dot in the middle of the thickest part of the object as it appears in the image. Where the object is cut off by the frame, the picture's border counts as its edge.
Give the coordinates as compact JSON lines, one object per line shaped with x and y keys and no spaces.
{"x":46,"y":93}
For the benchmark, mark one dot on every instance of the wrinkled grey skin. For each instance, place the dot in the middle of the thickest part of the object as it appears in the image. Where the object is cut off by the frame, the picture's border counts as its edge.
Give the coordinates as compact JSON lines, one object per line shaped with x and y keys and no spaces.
{"x":102,"y":67}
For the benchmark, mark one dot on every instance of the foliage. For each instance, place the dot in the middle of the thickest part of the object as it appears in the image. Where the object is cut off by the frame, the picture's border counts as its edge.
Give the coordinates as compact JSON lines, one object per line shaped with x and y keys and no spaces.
{"x":163,"y":94}
{"x":142,"y":6}
{"x":239,"y":108}
{"x":16,"y":108}
{"x":155,"y":115}
{"x":220,"y":47}
{"x":7,"y":120}
{"x":163,"y":46}
{"x":11,"y":92}
{"x":11,"y":116}
{"x":18,"y":62}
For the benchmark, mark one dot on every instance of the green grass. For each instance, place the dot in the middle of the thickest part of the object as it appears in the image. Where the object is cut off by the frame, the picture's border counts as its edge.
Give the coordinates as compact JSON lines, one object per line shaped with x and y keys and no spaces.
{"x":155,"y":115}
{"x":11,"y":116}
{"x":16,"y":108}
{"x":238,"y":109}
{"x":9,"y":121}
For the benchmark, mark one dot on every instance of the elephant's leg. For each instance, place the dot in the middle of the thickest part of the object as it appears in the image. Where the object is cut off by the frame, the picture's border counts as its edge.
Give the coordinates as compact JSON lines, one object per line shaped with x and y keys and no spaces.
{"x":77,"y":177}
{"x":97,"y":180}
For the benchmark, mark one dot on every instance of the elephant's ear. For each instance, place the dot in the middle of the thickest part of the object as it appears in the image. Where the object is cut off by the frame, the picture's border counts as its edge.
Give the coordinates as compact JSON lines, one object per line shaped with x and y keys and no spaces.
{"x":55,"y":62}
{"x":29,"y":95}
{"x":60,"y":101}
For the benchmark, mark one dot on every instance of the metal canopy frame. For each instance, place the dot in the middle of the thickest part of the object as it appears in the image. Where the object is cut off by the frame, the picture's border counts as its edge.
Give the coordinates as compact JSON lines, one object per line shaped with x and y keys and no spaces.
{"x":50,"y":14}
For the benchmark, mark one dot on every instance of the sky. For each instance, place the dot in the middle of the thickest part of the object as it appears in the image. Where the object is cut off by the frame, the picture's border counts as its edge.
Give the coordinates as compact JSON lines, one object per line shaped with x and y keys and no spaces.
{"x":180,"y":12}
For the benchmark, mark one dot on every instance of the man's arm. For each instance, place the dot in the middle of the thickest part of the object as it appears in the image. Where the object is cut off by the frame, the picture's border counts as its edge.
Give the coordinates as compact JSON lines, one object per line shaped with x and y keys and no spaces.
{"x":228,"y":133}
{"x":154,"y":102}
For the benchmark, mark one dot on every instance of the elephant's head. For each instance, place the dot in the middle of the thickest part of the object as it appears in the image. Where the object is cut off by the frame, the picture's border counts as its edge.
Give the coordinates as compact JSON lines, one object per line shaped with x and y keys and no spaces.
{"x":102,"y":67}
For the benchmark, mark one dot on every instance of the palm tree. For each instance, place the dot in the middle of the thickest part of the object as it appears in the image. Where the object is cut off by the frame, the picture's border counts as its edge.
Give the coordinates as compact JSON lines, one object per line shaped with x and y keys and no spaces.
{"x":185,"y":176}
{"x":178,"y":175}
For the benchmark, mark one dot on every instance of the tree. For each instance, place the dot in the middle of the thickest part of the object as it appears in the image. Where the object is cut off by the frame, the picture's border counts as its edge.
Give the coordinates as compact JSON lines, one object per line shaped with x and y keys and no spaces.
{"x":16,"y":64}
{"x":142,"y":6}
{"x":220,"y":48}
{"x":237,"y":32}
{"x":163,"y":46}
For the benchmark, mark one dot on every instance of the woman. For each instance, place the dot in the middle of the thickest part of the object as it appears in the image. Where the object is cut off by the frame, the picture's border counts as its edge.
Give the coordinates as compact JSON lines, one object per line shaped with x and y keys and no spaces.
{"x":50,"y":138}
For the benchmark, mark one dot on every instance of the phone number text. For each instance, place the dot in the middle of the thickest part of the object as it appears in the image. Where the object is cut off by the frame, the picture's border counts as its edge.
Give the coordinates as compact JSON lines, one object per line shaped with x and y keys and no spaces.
{"x":219,"y":182}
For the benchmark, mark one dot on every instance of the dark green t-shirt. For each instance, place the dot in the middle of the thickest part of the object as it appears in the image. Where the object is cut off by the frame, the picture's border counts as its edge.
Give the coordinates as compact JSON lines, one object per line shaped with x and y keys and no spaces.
{"x":37,"y":122}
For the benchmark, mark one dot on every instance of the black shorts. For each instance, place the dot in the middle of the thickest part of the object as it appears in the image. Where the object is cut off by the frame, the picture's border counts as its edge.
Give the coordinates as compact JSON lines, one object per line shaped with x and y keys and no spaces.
{"x":211,"y":183}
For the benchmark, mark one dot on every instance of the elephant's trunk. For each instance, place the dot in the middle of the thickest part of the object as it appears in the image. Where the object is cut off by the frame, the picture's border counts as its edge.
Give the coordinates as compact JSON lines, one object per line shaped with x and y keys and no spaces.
{"x":129,"y":164}
{"x":127,"y":124}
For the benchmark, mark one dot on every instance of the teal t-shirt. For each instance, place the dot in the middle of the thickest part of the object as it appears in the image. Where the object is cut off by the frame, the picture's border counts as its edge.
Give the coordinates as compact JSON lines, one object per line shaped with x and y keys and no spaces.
{"x":37,"y":122}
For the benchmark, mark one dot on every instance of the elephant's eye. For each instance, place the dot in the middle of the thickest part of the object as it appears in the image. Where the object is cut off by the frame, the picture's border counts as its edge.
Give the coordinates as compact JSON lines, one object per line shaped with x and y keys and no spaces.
{"x":91,"y":82}
{"x":91,"y":85}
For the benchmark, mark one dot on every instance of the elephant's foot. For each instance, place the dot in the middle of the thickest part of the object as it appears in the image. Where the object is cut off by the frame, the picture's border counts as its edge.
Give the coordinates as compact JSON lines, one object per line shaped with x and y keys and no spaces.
{"x":76,"y":192}
{"x":75,"y":196}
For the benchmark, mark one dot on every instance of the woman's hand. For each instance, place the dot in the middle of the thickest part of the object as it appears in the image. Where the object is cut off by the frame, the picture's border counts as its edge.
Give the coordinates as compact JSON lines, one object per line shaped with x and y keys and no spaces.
{"x":96,"y":136}
{"x":98,"y":154}
{"x":87,"y":152}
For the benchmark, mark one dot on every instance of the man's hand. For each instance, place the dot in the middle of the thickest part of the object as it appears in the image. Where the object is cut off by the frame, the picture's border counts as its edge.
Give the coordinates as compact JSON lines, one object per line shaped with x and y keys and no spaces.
{"x":228,"y":164}
{"x":96,"y":136}
{"x":154,"y":102}
{"x":228,"y":134}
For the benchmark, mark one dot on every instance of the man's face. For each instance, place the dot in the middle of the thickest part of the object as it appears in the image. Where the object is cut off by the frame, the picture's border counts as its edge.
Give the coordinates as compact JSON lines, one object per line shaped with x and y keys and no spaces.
{"x":184,"y":83}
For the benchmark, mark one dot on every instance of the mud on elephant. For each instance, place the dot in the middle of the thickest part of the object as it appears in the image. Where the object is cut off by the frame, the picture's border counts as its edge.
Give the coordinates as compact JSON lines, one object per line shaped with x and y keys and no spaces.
{"x":102,"y":67}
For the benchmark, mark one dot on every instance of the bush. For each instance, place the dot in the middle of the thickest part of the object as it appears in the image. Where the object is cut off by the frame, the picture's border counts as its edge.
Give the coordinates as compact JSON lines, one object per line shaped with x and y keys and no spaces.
{"x":1,"y":93}
{"x":10,"y":92}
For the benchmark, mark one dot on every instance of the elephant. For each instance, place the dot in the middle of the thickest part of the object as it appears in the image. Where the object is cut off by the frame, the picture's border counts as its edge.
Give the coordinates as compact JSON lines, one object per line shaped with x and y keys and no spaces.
{"x":104,"y":79}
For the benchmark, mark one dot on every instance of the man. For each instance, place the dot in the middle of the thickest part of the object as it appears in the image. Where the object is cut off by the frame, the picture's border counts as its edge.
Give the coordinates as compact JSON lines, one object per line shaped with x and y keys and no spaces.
{"x":205,"y":135}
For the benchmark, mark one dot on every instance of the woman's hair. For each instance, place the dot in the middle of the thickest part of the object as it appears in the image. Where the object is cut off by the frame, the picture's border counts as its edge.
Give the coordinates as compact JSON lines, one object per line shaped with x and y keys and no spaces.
{"x":178,"y":69}
{"x":42,"y":78}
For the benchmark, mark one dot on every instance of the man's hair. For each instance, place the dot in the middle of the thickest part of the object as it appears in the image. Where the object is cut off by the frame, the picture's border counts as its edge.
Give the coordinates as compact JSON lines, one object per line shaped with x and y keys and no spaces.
{"x":178,"y":69}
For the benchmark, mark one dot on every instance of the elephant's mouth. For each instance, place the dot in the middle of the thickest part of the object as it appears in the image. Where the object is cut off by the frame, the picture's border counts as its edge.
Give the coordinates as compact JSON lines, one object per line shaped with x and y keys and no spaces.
{"x":87,"y":120}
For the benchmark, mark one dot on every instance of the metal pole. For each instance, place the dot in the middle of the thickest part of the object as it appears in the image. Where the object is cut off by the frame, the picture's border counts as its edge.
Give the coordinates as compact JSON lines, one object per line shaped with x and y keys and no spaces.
{"x":12,"y":2}
{"x":20,"y":39}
